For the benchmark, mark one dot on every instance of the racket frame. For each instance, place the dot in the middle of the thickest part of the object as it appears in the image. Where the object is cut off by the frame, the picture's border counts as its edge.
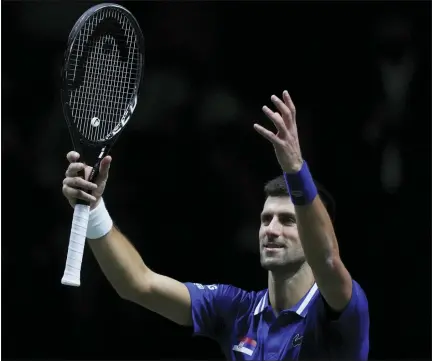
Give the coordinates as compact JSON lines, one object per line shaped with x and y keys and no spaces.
{"x":78,"y":139}
{"x":79,"y":142}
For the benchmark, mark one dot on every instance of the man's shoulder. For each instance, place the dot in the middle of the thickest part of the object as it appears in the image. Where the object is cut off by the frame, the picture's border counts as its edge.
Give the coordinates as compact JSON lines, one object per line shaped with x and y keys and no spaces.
{"x":222,"y":289}
{"x":225,"y":294}
{"x":358,"y":288}
{"x":357,"y":306}
{"x":357,"y":291}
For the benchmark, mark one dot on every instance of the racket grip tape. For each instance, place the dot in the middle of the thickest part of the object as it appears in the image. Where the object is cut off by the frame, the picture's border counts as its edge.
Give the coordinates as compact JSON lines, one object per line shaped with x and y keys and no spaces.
{"x":77,"y":239}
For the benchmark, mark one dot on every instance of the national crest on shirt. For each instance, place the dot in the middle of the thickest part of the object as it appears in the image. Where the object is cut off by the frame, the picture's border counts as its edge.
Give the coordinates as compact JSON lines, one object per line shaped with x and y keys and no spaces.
{"x":246,"y":346}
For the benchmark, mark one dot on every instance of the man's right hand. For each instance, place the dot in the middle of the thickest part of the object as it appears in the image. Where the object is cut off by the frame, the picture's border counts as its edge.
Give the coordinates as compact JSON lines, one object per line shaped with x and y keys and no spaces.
{"x":75,"y":187}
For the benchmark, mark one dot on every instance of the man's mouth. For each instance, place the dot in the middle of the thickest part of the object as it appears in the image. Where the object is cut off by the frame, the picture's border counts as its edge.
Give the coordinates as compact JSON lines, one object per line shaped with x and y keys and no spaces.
{"x":273,"y":246}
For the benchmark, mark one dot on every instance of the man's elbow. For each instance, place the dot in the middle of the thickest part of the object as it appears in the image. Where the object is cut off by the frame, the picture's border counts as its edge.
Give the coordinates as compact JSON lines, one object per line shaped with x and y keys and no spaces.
{"x":335,"y":283}
{"x":128,"y":293}
{"x":133,"y":289}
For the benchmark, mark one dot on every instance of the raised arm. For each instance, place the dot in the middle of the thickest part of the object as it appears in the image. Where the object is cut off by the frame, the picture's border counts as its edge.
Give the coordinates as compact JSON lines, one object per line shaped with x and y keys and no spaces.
{"x":134,"y":281}
{"x":117,"y":257}
{"x":315,"y":227}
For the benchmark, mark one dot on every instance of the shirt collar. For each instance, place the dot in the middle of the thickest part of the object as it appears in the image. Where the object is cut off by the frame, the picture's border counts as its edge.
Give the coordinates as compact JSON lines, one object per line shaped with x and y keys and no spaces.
{"x":301,"y":308}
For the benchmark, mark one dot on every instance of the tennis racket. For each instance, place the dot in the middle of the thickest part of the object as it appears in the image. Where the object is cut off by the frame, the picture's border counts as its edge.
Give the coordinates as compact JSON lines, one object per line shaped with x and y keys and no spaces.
{"x":101,"y":77}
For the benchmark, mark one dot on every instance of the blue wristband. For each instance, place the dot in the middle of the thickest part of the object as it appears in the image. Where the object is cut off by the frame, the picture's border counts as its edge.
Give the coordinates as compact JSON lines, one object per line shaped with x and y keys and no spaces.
{"x":301,"y":186}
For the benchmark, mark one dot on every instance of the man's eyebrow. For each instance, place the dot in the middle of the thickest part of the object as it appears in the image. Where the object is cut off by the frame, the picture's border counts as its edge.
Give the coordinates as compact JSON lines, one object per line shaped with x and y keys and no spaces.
{"x":283,"y":213}
{"x":287,"y":213}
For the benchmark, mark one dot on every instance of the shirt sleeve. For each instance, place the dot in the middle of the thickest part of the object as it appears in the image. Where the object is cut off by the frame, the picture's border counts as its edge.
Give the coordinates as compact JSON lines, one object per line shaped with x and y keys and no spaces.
{"x":214,"y":307}
{"x":351,"y":327}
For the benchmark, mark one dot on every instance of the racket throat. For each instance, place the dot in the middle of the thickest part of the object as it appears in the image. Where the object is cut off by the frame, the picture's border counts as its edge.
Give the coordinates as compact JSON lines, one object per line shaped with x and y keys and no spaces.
{"x":95,"y":171}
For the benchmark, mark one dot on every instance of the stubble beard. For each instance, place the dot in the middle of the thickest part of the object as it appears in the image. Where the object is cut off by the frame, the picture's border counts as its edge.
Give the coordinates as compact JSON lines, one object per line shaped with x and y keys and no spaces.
{"x":284,"y":264}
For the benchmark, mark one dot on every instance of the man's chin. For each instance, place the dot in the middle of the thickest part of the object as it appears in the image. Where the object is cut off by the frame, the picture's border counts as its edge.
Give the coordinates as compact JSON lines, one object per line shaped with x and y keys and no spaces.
{"x":273,"y":264}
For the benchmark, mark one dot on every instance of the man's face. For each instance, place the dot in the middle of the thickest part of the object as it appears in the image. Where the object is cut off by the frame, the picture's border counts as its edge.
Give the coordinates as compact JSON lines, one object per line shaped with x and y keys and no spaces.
{"x":280,"y":246}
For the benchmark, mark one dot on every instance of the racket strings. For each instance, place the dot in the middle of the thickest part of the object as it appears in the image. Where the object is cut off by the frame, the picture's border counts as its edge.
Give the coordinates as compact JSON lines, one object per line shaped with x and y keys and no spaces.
{"x":109,"y":81}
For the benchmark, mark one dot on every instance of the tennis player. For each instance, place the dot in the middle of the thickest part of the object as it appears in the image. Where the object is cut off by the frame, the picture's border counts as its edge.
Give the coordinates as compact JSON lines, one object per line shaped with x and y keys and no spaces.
{"x":312,"y":308}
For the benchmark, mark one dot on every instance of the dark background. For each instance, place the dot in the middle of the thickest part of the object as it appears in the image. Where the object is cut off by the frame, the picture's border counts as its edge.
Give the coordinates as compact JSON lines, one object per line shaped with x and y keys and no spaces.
{"x":187,"y":177}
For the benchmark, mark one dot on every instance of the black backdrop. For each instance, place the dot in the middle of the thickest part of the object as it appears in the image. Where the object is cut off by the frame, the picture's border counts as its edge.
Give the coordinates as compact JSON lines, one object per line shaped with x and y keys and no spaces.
{"x":186,"y":182}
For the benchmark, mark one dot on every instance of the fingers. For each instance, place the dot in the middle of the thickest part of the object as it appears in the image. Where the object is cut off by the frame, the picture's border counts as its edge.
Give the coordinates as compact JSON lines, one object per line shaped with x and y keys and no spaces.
{"x":283,"y":119}
{"x":74,"y":169}
{"x":104,"y":167}
{"x":78,"y":182}
{"x":276,"y":118}
{"x":289,"y":103}
{"x":280,"y":105}
{"x":270,"y":136}
{"x":285,"y":108}
{"x":76,"y":187}
{"x":72,"y":157}
{"x":73,"y":193}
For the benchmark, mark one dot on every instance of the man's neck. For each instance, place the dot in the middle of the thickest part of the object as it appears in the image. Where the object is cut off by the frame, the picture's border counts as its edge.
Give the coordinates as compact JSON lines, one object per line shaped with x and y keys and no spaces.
{"x":285,"y":290}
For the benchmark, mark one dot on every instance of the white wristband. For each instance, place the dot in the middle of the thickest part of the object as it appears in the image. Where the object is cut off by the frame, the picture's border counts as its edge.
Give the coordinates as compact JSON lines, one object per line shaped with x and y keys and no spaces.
{"x":100,"y":222}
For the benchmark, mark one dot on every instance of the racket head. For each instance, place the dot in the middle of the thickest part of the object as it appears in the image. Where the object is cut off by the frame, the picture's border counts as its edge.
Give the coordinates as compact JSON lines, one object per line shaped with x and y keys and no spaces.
{"x":97,"y":38}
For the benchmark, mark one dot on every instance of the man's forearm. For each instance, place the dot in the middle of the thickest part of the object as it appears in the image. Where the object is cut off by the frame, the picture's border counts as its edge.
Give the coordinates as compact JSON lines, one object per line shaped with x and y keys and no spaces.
{"x":316,"y":233}
{"x":120,"y":262}
{"x":322,"y":253}
{"x":134,"y":281}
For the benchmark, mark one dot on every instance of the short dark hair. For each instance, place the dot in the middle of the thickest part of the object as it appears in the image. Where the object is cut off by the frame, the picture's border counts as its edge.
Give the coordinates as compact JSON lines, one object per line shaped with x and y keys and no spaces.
{"x":277,"y":188}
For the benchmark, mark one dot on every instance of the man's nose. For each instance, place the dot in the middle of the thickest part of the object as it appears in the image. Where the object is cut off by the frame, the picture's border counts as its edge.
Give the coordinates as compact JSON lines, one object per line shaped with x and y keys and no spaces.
{"x":274,"y":228}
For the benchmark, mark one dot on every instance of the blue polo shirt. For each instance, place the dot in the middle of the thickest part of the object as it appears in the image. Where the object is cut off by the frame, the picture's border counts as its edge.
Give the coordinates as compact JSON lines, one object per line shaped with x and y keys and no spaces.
{"x":246,"y":328}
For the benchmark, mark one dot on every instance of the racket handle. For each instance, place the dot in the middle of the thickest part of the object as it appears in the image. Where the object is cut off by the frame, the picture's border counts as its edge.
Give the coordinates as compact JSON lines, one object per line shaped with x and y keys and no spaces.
{"x":71,"y":276}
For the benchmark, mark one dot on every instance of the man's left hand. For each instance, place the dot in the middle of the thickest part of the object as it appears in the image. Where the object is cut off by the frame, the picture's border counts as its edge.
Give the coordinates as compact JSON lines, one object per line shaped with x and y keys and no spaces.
{"x":285,"y":141}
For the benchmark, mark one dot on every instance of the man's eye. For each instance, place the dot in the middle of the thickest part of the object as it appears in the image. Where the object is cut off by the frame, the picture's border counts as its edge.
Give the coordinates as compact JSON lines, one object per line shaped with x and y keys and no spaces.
{"x":287,"y":220}
{"x":265,"y":220}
